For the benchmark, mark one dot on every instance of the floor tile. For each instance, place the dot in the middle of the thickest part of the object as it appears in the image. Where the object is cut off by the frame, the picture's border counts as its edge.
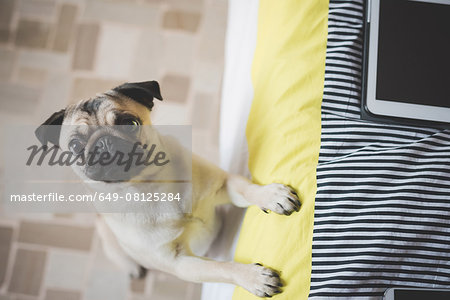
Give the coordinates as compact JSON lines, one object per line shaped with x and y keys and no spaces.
{"x":32,"y":76}
{"x":147,"y":64}
{"x":125,"y":13}
{"x":32,"y":34}
{"x":175,"y":88}
{"x":115,"y":51}
{"x":7,"y":59}
{"x":28,"y":272}
{"x":107,"y":284}
{"x":43,"y":59}
{"x":21,"y":99}
{"x":138,"y":285}
{"x":191,"y":5}
{"x":204,"y":105}
{"x":66,"y":270}
{"x":55,"y":235}
{"x":181,"y":20}
{"x":4,"y":36}
{"x":167,"y":287}
{"x":85,"y":46}
{"x":208,"y":77}
{"x":84,"y":87}
{"x":179,"y":50}
{"x":52,"y":294}
{"x":6,"y":12}
{"x":41,"y":9}
{"x":5,"y":249}
{"x":65,"y":27}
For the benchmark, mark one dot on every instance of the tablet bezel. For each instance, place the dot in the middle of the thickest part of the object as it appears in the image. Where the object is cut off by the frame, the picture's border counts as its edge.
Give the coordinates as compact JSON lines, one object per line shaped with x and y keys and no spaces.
{"x":384,"y":107}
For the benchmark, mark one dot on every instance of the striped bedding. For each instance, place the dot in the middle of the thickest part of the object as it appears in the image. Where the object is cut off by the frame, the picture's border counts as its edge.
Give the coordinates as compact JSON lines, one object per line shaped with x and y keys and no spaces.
{"x":382,"y":209}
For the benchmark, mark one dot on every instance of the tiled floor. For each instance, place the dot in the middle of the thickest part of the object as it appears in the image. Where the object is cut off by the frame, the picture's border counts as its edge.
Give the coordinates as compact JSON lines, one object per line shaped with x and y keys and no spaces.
{"x":55,"y":52}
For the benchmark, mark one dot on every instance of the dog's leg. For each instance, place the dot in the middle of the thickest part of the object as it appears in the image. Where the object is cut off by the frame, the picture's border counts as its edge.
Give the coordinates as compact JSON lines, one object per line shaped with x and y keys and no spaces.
{"x":276,"y":197}
{"x":255,"y":278}
{"x":115,"y":253}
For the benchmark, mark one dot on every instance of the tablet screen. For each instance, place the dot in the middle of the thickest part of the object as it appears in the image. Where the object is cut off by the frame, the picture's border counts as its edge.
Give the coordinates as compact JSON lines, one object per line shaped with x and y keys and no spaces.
{"x":421,"y":294}
{"x":414,"y":53}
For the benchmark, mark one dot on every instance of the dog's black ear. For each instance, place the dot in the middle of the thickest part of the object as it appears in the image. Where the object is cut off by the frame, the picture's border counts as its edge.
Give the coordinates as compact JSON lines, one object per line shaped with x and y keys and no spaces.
{"x":141,"y":92}
{"x":46,"y":133}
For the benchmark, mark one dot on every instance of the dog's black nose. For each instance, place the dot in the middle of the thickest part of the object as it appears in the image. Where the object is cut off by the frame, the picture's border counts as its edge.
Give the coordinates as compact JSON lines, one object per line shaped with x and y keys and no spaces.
{"x":95,"y":172}
{"x":101,"y":161}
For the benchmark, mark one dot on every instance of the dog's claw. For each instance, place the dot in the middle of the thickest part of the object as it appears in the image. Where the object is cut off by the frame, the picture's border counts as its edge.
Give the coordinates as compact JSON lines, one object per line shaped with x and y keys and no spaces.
{"x":296,"y":203}
{"x":285,"y":212}
{"x":271,"y":286}
{"x":265,"y":210}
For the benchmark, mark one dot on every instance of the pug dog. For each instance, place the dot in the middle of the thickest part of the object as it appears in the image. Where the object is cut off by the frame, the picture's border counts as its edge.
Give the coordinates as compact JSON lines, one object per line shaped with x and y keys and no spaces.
{"x":151,"y":238}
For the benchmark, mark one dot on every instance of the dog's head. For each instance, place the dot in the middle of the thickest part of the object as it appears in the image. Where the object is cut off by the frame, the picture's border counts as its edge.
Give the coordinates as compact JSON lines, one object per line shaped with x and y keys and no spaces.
{"x":106,"y":126}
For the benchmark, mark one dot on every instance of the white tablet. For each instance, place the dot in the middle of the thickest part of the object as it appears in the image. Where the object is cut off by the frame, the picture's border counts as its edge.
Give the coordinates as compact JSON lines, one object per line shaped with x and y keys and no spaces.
{"x":407,"y":59}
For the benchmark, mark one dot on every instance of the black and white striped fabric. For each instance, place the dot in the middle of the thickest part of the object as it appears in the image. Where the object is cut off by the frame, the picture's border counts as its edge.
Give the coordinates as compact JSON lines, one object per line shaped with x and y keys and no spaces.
{"x":382,"y":210}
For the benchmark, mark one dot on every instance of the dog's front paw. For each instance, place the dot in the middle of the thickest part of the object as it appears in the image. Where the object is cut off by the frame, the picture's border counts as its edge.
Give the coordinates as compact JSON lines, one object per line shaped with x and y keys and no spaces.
{"x":262,"y":282}
{"x":278,"y":198}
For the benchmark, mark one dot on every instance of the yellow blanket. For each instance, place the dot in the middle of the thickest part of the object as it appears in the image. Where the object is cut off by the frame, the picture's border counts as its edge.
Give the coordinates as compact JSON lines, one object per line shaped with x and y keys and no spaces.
{"x":283,"y":134}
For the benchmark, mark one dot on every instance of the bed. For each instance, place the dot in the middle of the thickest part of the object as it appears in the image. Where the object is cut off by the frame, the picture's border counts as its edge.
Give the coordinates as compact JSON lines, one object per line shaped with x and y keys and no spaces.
{"x":375,"y":198}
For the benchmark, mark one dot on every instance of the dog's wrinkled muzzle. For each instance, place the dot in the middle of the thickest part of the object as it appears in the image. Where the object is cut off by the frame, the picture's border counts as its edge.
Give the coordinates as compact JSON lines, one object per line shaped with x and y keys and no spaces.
{"x":113,"y":159}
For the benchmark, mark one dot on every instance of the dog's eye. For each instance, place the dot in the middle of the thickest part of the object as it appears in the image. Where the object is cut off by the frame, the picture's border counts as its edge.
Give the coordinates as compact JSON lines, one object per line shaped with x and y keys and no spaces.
{"x":75,"y":146}
{"x":132,"y":124}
